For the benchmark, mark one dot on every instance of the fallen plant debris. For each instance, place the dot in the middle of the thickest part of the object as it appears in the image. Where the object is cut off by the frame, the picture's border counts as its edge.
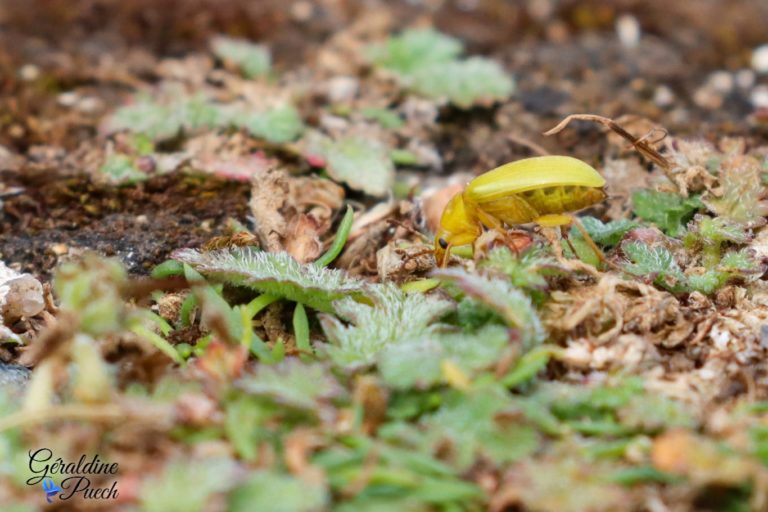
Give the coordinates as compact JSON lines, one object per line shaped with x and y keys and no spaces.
{"x":218,"y":271}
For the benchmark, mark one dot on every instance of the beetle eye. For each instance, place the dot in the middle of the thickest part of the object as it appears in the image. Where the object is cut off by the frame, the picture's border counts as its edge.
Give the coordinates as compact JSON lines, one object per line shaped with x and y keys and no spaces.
{"x":443,"y":243}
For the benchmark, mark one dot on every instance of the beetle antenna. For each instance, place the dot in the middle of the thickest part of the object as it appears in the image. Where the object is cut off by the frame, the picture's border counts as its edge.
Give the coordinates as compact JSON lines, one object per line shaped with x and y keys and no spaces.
{"x":409,"y":229}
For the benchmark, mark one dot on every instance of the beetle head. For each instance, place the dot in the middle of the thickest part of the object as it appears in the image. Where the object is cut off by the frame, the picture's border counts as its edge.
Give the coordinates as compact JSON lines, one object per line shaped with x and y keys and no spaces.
{"x":458,"y":226}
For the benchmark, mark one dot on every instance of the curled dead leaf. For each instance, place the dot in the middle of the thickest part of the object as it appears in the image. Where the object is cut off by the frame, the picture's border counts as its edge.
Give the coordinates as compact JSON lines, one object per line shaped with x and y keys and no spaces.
{"x":269,"y":193}
{"x":299,"y":446}
{"x":302,"y":240}
{"x":372,"y":398}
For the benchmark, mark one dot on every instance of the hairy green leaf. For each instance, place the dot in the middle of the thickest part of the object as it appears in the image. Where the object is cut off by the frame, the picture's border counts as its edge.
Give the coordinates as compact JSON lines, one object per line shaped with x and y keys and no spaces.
{"x":293,"y":383}
{"x":417,"y":362}
{"x":274,"y":273}
{"x":526,"y":271}
{"x":659,"y":264}
{"x":187,"y":485}
{"x":253,"y":59}
{"x":156,"y":121}
{"x":363,"y":164}
{"x":162,"y":120}
{"x":120,"y":170}
{"x":428,"y":63}
{"x":501,"y":297}
{"x":414,"y":49}
{"x":469,"y":422}
{"x":387,"y":118}
{"x":606,"y":234}
{"x":279,"y":124}
{"x":91,"y":289}
{"x":667,"y":210}
{"x":742,"y":195}
{"x":277,"y":493}
{"x":463,"y":83}
{"x":656,"y":263}
{"x":393,"y":316}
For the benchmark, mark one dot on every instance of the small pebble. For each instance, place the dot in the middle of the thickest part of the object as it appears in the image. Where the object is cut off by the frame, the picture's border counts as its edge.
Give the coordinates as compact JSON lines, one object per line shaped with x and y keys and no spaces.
{"x":706,"y":97}
{"x":302,"y":11}
{"x":760,"y":59}
{"x":90,"y":105}
{"x":342,"y":88}
{"x":721,"y":81}
{"x":29,"y":72}
{"x":59,"y":249}
{"x":67,"y":99}
{"x":759,"y":96}
{"x":745,"y":78}
{"x":663,"y":96}
{"x":628,"y":30}
{"x":16,"y":131}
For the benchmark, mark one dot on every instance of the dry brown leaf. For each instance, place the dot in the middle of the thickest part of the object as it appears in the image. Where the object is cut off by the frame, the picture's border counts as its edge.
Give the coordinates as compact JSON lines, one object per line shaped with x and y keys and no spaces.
{"x":269,"y":193}
{"x":299,"y":446}
{"x":372,"y":398}
{"x":302,"y":238}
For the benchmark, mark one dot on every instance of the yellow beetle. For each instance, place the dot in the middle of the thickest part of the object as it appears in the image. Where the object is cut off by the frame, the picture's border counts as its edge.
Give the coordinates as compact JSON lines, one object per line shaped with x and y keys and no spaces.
{"x":540,"y":190}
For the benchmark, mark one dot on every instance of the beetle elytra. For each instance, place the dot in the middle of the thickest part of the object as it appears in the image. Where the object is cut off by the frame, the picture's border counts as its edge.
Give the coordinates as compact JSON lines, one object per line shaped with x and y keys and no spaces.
{"x":542,"y":190}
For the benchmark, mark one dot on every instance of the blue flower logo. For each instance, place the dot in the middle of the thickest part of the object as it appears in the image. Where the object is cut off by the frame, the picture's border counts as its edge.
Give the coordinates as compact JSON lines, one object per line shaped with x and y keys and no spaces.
{"x":50,"y":488}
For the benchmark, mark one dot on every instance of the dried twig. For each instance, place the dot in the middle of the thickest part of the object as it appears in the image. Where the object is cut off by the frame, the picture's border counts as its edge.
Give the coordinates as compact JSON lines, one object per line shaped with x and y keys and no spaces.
{"x":642,"y":145}
{"x":522,"y":141}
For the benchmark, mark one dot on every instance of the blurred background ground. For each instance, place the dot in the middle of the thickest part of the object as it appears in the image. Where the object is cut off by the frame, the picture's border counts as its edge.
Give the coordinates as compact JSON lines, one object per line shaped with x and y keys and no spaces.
{"x":65,"y":65}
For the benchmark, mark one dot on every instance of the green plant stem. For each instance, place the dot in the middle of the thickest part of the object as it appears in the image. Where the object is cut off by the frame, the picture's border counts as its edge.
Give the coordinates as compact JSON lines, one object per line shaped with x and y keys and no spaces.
{"x":256,"y":305}
{"x":301,"y":331}
{"x":158,"y":341}
{"x":338,"y":243}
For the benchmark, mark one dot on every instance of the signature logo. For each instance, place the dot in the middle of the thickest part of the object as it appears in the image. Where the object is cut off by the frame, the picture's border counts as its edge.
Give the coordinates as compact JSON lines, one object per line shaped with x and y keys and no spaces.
{"x":50,"y":488}
{"x":88,"y":478}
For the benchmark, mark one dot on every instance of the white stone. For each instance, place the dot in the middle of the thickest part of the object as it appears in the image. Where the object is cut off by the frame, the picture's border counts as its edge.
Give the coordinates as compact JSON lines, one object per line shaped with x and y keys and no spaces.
{"x":745,"y":78}
{"x":721,"y":81}
{"x":342,"y":88}
{"x":628,"y":30}
{"x":29,"y":72}
{"x":21,"y":295}
{"x":759,"y":96}
{"x":67,"y":99}
{"x":760,"y":59}
{"x":663,"y":96}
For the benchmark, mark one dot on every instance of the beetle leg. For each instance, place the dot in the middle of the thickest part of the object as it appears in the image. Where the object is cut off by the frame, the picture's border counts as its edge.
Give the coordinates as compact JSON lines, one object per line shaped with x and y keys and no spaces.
{"x":551,"y":234}
{"x":564,"y":233}
{"x":498,"y":226}
{"x":592,"y":245}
